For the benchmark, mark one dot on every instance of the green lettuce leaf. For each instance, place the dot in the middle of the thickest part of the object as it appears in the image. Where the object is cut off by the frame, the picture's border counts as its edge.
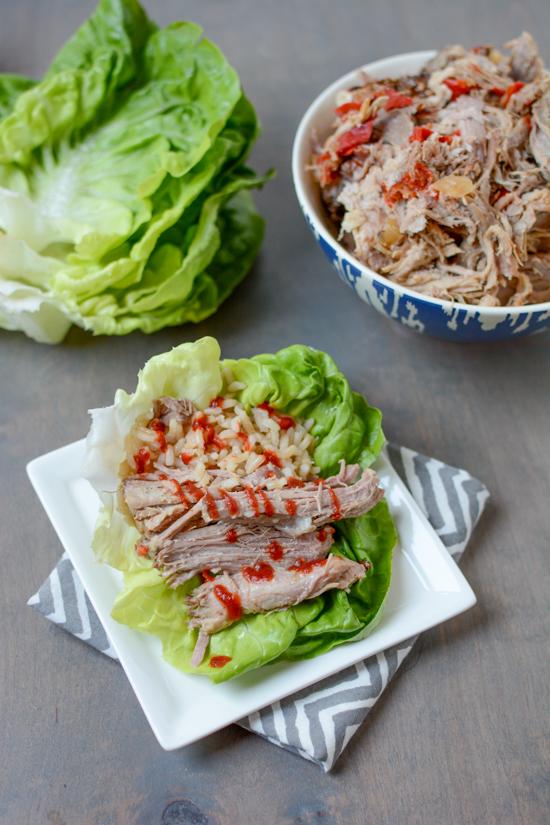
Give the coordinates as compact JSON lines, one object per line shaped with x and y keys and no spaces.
{"x":11,"y":86}
{"x":297,"y":380}
{"x":113,"y":156}
{"x":304,"y":382}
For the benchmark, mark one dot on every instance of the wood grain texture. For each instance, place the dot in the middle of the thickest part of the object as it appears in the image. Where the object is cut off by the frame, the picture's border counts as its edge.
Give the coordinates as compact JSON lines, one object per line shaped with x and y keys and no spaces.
{"x":462,"y":735}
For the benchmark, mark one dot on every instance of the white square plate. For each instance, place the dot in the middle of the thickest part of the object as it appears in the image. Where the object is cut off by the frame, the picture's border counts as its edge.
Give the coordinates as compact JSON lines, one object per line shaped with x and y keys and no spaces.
{"x":427,"y":588}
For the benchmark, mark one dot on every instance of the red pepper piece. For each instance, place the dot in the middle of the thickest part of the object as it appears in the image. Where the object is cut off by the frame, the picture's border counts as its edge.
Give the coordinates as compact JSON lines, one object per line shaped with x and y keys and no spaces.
{"x":498,"y":91}
{"x":459,"y":87}
{"x":449,"y":138}
{"x":353,"y":138}
{"x":420,"y":133}
{"x":511,"y":90}
{"x":351,"y":106}
{"x":141,"y":550}
{"x":409,"y":185}
{"x":498,"y":194}
{"x":328,"y":172}
{"x":397,"y":101}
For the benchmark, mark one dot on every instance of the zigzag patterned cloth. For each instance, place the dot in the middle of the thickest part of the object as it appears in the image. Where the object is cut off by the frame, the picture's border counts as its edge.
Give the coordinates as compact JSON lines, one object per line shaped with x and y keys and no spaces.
{"x":318,"y":722}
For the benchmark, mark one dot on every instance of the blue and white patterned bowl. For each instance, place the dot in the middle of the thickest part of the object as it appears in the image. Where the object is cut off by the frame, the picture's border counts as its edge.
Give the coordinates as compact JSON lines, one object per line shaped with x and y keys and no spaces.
{"x":442,"y":319}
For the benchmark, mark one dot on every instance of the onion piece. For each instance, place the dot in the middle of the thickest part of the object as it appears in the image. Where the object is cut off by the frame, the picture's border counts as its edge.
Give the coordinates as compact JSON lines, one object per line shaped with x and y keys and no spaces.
{"x":455,"y":186}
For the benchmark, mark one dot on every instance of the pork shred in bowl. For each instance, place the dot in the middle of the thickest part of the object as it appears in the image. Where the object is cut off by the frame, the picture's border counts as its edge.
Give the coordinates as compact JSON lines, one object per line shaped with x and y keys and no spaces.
{"x":440,"y":181}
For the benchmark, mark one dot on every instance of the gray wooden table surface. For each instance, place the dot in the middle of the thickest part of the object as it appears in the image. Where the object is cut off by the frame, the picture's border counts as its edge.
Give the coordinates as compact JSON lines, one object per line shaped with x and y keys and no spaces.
{"x":462,"y":735}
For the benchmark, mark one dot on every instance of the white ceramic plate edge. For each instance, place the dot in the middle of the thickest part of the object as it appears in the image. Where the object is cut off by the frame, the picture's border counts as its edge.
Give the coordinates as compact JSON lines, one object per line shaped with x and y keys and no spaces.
{"x":47,"y":489}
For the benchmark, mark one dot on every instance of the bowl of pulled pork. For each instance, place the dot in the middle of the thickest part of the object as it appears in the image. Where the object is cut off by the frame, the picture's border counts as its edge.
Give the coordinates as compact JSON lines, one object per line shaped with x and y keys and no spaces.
{"x":425,"y":179}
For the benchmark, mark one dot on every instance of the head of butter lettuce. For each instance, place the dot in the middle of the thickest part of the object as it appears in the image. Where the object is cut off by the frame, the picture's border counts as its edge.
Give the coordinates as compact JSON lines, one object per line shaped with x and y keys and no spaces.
{"x":301,"y":382}
{"x":124,"y":198}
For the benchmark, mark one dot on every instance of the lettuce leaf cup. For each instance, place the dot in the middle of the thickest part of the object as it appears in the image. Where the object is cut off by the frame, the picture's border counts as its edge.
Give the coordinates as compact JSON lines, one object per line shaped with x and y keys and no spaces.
{"x":124,"y":195}
{"x":244,"y":480}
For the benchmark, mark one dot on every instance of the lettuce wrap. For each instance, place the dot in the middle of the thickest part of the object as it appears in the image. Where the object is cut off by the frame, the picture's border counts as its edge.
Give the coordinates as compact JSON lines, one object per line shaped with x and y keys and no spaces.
{"x":124,"y":195}
{"x":301,"y":382}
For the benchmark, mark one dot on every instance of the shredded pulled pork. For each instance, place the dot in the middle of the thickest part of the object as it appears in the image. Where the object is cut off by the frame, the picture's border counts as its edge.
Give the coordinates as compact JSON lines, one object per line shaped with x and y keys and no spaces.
{"x":440,"y":181}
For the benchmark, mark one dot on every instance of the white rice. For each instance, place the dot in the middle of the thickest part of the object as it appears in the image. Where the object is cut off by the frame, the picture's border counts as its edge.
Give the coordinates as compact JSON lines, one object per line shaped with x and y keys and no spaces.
{"x":241,"y":439}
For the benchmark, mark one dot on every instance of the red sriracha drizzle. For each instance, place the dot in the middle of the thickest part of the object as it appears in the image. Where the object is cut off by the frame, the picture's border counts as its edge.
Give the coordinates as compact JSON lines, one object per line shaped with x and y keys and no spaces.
{"x":217,"y":401}
{"x":285,"y":422}
{"x":211,"y":506}
{"x":219,"y":661}
{"x":232,"y":503}
{"x":246,"y":443}
{"x":179,"y":492}
{"x":141,"y":459}
{"x":324,"y":532}
{"x":269,"y":509}
{"x":252,"y":499}
{"x":230,"y":601}
{"x":193,"y":490}
{"x":294,"y":482}
{"x":303,"y":566}
{"x":186,"y":458}
{"x":142,"y":550}
{"x":291,"y":507}
{"x":261,"y":571}
{"x":206,"y":576}
{"x":275,"y":550}
{"x":272,"y":458}
{"x":159,"y":429}
{"x":336,"y":512}
{"x":201,"y":422}
{"x":231,"y":536}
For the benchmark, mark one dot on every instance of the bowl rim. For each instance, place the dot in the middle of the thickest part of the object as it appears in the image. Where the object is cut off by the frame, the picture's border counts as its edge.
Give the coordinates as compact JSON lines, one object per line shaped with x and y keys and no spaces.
{"x":302,"y":139}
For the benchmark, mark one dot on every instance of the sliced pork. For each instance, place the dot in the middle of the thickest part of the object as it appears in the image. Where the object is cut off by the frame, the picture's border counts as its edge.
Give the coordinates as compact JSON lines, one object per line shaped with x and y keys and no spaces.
{"x":232,"y":546}
{"x":218,"y":603}
{"x":166,"y":506}
{"x":233,"y":495}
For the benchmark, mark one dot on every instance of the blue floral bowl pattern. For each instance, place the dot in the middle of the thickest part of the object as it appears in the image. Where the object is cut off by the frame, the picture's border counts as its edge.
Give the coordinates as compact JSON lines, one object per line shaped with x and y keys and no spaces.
{"x":441,"y":319}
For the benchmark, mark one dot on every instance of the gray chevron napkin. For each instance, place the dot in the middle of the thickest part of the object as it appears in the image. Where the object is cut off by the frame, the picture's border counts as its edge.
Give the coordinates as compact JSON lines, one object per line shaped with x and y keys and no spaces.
{"x":318,"y":722}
